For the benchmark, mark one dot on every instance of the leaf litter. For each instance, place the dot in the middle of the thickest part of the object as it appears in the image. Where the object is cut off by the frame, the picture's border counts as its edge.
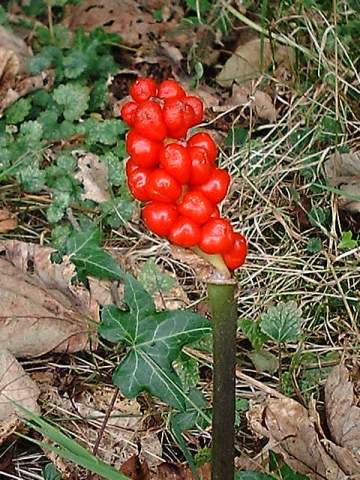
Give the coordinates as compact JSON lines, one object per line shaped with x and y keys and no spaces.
{"x":296,"y":432}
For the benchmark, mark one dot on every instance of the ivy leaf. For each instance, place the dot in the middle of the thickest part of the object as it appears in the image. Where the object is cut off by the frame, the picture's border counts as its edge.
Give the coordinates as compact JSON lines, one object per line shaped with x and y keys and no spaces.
{"x":18,"y":111}
{"x":73,"y":98}
{"x":153,"y":279}
{"x":154,"y":340}
{"x":282,"y":322}
{"x":85,"y":252}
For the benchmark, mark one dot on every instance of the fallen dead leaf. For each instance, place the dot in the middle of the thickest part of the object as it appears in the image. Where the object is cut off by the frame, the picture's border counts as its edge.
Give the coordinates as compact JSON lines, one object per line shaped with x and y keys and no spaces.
{"x":124,"y":17}
{"x":296,"y":432}
{"x":93,"y":174}
{"x":136,"y":468}
{"x":172,"y":471}
{"x":7,"y":221}
{"x":343,"y":172}
{"x":342,"y":411}
{"x":260,"y":102}
{"x":16,"y":388}
{"x":41,"y":310}
{"x":251,"y":59}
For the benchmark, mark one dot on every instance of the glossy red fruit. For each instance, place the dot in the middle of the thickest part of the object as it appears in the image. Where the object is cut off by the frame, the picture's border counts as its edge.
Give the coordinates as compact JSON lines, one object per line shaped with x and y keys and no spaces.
{"x":145,"y":152}
{"x":196,"y":206}
{"x":137,"y":182}
{"x":217,"y":186}
{"x":235,"y":257}
{"x":215,"y":213}
{"x":216,"y":236}
{"x":201,"y":167}
{"x":159,"y":217}
{"x":185,"y":233}
{"x":170,"y":89}
{"x":162,"y":187}
{"x":198,"y":107}
{"x":142,"y":89}
{"x":131,"y":167}
{"x":204,"y":140}
{"x":178,"y":117}
{"x":128,"y":111}
{"x":149,"y":121}
{"x":175,"y":159}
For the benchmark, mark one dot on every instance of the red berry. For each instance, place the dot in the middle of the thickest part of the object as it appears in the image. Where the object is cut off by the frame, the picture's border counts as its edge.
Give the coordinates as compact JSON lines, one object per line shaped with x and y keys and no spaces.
{"x":201,"y":167}
{"x":159,"y":217}
{"x":178,"y":117}
{"x":216,"y":236}
{"x":184,"y":233}
{"x":198,"y":107}
{"x":149,"y":121}
{"x":215,"y":213}
{"x":170,"y":89}
{"x":142,"y":89}
{"x":217,"y":186}
{"x":162,"y":187}
{"x":145,"y":152}
{"x":175,"y":159}
{"x":137,"y":182}
{"x":128,"y":111}
{"x":131,"y":167}
{"x":235,"y":257}
{"x":203,"y":140}
{"x":196,"y":206}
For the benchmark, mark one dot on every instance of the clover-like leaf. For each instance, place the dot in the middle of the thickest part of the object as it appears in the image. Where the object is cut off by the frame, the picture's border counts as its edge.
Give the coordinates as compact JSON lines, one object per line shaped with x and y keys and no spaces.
{"x":154,"y":340}
{"x":74,"y":99}
{"x":282,"y":322}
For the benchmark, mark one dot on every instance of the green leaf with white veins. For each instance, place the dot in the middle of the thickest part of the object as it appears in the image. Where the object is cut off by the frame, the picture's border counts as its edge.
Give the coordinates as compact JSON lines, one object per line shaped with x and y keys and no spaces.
{"x":154,"y":340}
{"x":282,"y":322}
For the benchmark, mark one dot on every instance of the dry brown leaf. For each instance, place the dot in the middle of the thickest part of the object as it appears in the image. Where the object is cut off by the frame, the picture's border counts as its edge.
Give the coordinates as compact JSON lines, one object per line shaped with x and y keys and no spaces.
{"x":136,"y":468}
{"x":259,"y":101}
{"x":343,"y":171}
{"x":342,"y":412}
{"x":16,"y":387}
{"x":292,"y":433}
{"x":93,"y":174}
{"x":40,"y":310}
{"x":118,"y":16}
{"x":172,"y":471}
{"x":297,"y":434}
{"x":13,"y":56}
{"x":7,"y":221}
{"x":251,"y":59}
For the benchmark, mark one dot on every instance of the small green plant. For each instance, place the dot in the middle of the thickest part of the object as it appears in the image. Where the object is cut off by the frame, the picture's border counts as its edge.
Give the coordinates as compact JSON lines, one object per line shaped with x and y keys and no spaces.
{"x":347,"y":241}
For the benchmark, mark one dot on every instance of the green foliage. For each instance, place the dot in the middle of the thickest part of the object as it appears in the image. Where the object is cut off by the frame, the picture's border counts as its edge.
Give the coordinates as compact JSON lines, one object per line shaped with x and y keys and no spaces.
{"x":252,"y":475}
{"x":236,"y":136}
{"x":73,"y":98}
{"x":314,"y":245}
{"x":50,"y":473}
{"x":18,"y":111}
{"x":85,"y":252}
{"x":282,"y":322}
{"x":347,"y":241}
{"x":153,"y":279}
{"x":153,"y":340}
{"x":67,"y":448}
{"x":251,"y":329}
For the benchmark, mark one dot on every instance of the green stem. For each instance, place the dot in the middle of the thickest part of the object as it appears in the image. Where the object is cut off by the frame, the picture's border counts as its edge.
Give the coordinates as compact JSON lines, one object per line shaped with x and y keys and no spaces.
{"x":224,"y":313}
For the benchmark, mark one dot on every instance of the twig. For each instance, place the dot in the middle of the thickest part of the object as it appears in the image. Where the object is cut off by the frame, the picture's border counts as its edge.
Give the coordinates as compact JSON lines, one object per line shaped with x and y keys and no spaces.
{"x":104,"y":423}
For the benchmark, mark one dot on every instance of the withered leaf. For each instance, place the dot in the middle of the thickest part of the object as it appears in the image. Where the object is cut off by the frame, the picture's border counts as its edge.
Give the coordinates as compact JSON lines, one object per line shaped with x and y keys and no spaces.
{"x":41,"y":310}
{"x":342,"y":412}
{"x":136,"y":468}
{"x":16,"y":388}
{"x":93,"y":174}
{"x":7,"y":221}
{"x":343,"y":172}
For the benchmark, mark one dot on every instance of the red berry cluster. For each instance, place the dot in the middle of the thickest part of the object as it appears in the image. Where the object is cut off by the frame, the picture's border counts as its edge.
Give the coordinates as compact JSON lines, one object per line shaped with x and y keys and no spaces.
{"x":177,"y":178}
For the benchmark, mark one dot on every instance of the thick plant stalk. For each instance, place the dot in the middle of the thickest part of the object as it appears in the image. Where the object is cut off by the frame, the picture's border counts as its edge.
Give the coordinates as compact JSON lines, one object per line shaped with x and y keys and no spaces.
{"x":221,"y":295}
